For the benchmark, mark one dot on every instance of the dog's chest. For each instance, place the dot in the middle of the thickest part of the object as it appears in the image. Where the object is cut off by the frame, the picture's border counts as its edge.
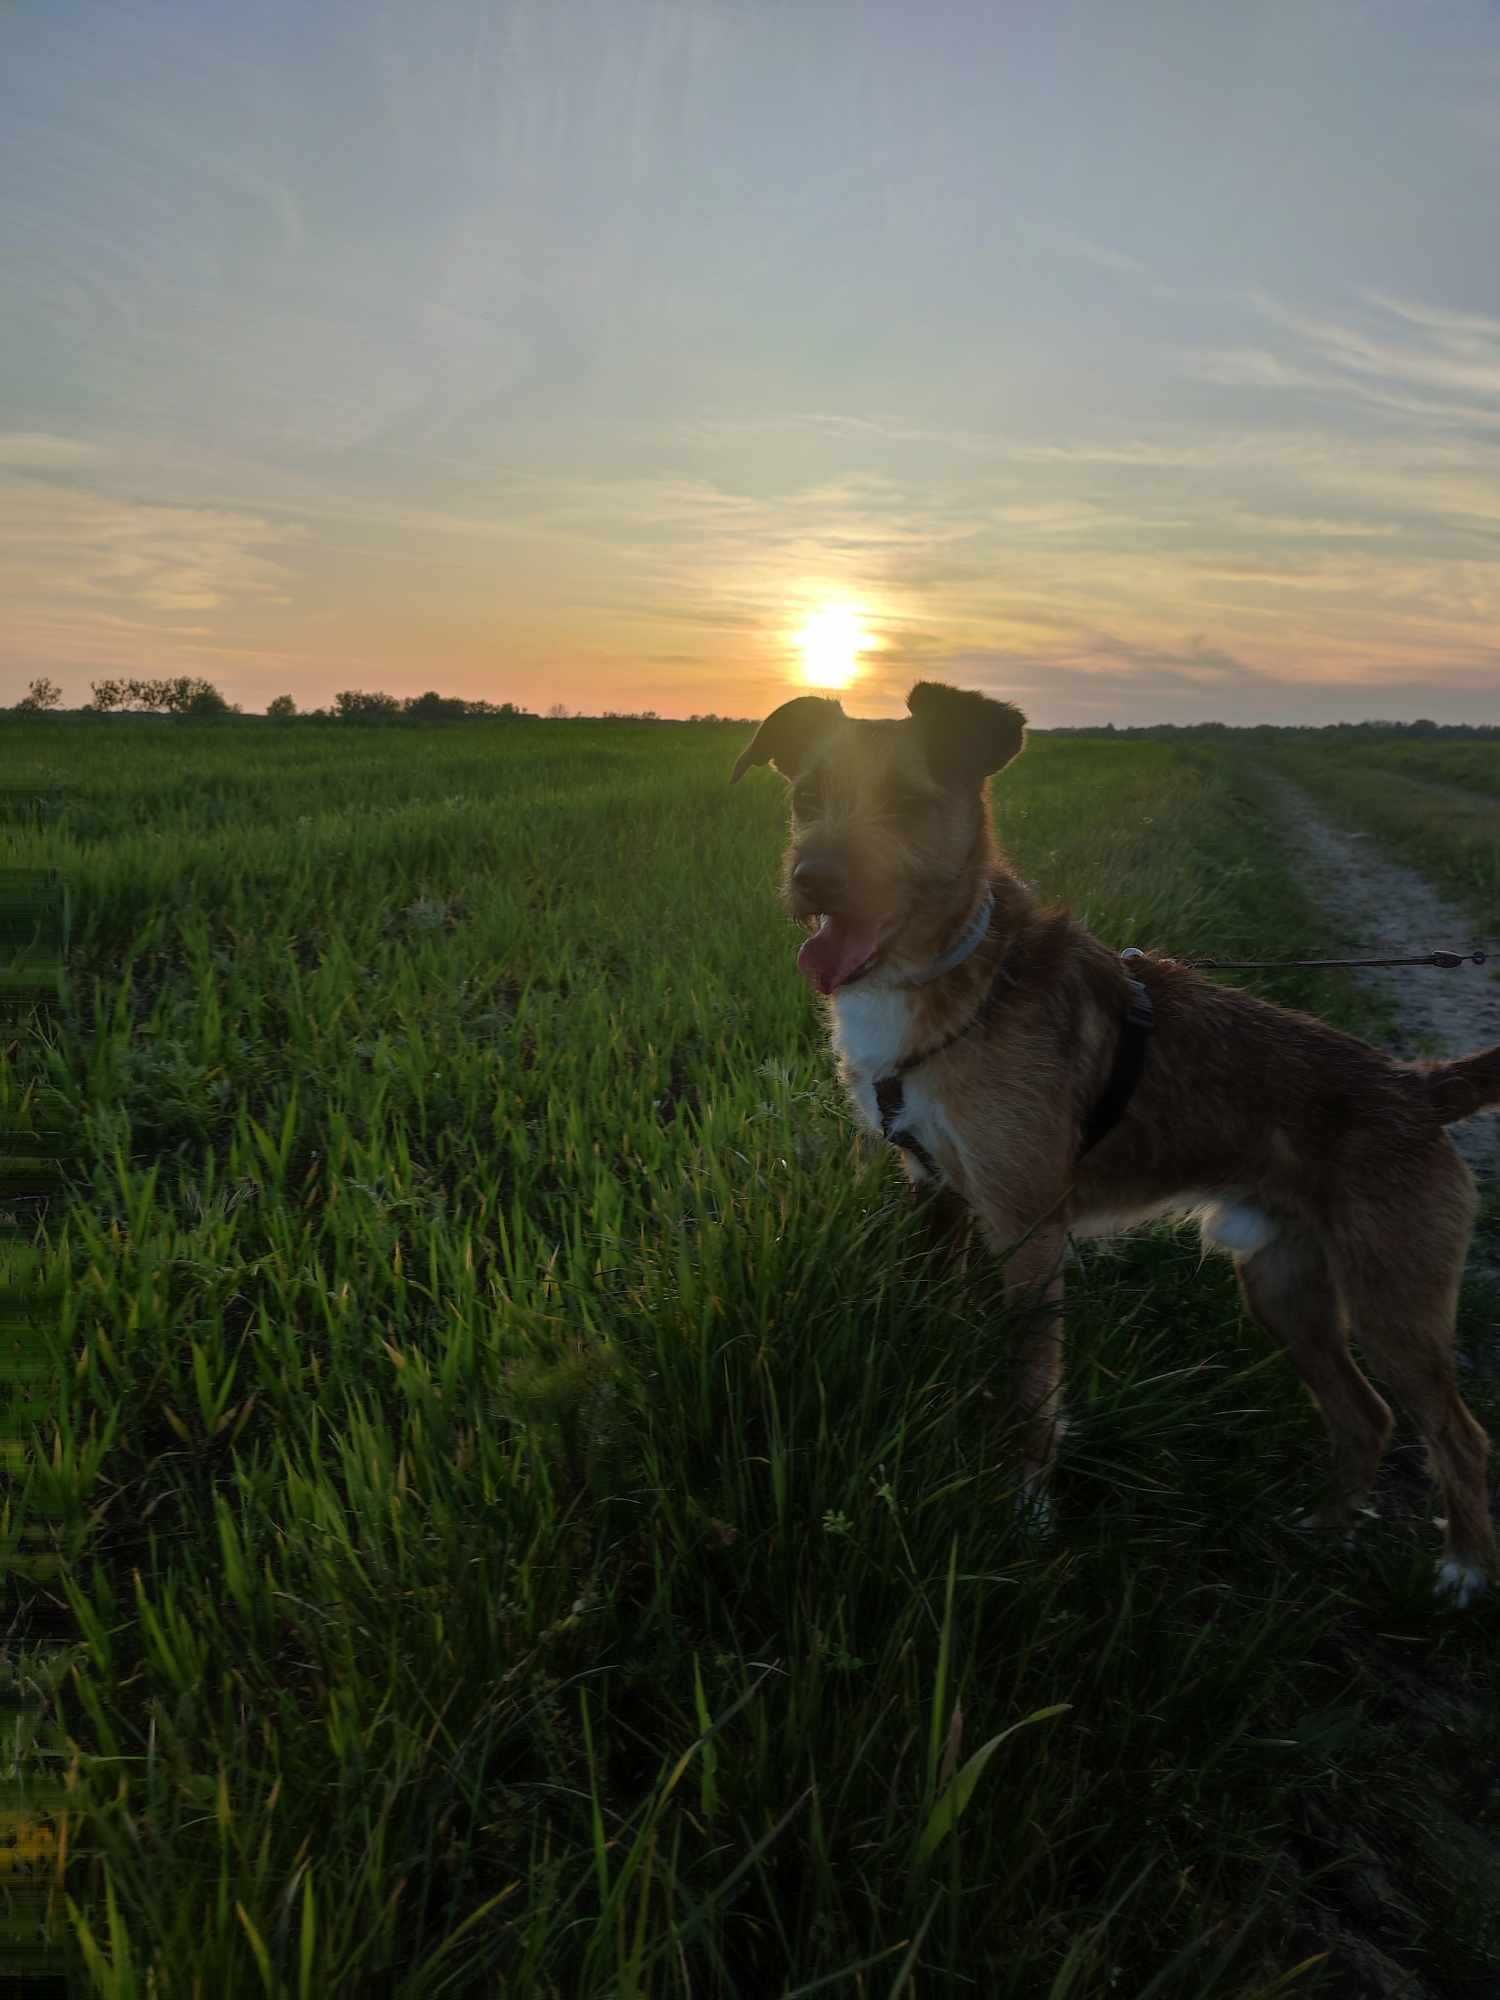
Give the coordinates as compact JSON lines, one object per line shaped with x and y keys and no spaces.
{"x":871,"y":1034}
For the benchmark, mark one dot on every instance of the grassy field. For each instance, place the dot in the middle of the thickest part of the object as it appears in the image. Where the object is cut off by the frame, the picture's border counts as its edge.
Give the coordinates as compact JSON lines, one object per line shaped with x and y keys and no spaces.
{"x":1435,"y":805}
{"x":1472,"y":764}
{"x":530,"y":1521}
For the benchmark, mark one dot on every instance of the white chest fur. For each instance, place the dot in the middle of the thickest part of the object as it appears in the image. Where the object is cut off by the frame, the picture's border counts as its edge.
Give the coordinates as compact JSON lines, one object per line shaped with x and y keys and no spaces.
{"x":871,"y":1034}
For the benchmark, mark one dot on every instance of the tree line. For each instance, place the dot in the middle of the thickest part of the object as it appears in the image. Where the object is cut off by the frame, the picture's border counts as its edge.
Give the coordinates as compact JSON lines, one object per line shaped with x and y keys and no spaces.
{"x":1423,"y":726}
{"x":191,"y":696}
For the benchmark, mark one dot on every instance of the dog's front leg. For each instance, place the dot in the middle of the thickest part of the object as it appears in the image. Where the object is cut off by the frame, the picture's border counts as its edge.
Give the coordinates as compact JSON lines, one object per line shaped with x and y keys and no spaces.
{"x":1034,"y":1285}
{"x":943,"y":1223}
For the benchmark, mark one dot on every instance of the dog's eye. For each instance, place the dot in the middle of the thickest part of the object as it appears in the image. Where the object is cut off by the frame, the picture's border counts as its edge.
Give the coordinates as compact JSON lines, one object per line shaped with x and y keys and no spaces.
{"x":807,"y":795}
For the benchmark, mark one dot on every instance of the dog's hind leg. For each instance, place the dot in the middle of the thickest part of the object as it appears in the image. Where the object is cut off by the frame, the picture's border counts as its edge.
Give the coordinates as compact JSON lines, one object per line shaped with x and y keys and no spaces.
{"x":1402,"y":1297}
{"x":1289,"y":1289}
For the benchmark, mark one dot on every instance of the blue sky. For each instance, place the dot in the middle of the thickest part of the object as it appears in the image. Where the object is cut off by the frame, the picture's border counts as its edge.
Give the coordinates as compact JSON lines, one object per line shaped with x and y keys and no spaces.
{"x":1139,"y":362}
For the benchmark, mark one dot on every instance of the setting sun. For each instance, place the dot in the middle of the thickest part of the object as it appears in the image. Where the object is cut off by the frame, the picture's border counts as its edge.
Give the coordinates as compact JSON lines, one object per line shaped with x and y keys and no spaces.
{"x":831,"y":643}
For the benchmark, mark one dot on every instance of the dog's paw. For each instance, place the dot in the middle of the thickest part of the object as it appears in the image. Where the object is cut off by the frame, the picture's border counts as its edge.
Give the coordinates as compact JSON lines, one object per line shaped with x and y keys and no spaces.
{"x":1459,"y":1583}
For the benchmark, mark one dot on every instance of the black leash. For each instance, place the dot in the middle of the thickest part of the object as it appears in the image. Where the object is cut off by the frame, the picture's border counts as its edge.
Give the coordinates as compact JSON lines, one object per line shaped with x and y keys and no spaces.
{"x":1446,"y":959}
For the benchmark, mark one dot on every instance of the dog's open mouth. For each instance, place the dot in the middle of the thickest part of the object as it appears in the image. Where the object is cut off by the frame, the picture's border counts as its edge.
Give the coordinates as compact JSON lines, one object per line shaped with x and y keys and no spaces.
{"x":842,"y":949}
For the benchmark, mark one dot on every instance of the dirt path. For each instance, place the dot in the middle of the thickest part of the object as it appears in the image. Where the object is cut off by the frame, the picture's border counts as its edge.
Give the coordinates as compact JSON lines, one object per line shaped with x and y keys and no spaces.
{"x":1376,"y":905}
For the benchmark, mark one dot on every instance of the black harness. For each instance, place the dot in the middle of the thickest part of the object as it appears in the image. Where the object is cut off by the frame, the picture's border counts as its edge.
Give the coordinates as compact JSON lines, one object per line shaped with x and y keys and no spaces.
{"x":1108,"y":1110}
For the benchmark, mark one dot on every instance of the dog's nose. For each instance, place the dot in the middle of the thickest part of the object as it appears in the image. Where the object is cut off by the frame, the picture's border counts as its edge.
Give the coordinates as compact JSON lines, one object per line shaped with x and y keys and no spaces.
{"x":822,"y":880}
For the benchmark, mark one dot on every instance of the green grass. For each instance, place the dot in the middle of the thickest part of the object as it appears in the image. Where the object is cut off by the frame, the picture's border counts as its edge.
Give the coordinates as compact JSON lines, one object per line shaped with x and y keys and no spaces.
{"x":1472,"y":764}
{"x":1434,"y":805}
{"x":533,"y":1520}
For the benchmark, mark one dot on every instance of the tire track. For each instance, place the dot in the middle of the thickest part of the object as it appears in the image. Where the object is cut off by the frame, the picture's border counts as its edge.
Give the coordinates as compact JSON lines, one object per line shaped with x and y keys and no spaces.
{"x":1377,"y":906}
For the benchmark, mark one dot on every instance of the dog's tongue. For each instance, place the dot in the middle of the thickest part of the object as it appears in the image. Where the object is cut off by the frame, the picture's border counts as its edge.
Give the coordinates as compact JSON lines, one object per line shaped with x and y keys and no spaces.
{"x":836,"y":950}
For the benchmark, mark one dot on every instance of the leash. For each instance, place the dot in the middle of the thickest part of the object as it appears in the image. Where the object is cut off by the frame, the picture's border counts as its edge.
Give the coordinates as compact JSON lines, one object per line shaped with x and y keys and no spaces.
{"x":1446,"y":959}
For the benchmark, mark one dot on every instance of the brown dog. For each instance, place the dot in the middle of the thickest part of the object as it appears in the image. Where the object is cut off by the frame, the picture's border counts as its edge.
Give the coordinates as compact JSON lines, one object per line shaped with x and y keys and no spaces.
{"x":1018,"y":1062}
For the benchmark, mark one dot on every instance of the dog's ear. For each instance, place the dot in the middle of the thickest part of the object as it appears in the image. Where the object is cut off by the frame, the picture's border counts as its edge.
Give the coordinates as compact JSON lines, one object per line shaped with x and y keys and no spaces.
{"x":964,"y":736}
{"x":788,"y":734}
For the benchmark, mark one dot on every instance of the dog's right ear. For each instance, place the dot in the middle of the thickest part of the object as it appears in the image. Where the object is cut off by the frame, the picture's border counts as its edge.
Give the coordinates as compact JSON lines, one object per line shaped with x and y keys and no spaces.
{"x":788,"y":734}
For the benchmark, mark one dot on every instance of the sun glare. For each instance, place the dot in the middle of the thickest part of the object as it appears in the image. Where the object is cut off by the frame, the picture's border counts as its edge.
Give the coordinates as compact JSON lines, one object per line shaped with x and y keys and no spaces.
{"x":831,"y":643}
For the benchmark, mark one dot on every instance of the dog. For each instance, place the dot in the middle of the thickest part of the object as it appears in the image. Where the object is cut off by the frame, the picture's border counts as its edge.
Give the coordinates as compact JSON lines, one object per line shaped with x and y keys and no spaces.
{"x":1056,"y":1088}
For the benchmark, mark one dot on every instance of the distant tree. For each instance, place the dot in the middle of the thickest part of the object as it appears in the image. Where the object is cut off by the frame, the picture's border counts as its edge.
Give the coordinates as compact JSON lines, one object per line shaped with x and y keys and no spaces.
{"x":505,"y":709}
{"x":186,"y":694}
{"x":433,"y":707}
{"x":281,"y":708}
{"x":41,"y":695}
{"x":558,"y":712}
{"x":355,"y":705}
{"x":203,"y":702}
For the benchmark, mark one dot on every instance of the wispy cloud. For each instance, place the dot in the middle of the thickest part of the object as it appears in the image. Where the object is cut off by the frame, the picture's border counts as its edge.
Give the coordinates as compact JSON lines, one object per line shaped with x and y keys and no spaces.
{"x":1462,"y":329}
{"x":38,"y":451}
{"x":63,"y":547}
{"x":1252,"y":368}
{"x":853,"y":427}
{"x":1402,"y":357}
{"x":1066,"y":243}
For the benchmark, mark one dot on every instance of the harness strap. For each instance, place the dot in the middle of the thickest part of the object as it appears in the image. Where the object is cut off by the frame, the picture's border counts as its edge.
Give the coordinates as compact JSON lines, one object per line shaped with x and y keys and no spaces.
{"x":1130,"y":1060}
{"x":1109,"y":1108}
{"x":890,"y":1102}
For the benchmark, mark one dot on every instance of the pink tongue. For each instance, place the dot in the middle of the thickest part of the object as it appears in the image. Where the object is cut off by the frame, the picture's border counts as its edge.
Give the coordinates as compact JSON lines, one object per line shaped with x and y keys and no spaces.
{"x":836,"y":950}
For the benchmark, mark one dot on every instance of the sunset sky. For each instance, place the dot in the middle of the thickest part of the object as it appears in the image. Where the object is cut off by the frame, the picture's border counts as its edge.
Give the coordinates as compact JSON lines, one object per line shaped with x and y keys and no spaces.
{"x":1141,"y":362}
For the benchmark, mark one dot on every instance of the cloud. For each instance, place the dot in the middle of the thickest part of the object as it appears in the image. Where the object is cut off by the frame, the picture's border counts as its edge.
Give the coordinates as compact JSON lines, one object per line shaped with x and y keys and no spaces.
{"x":1403,"y":357}
{"x":1252,"y":368}
{"x":38,"y":451}
{"x":1457,"y":328}
{"x":846,"y":425}
{"x":61,"y":548}
{"x":1117,"y":682}
{"x":1065,"y":243}
{"x":1109,"y":679}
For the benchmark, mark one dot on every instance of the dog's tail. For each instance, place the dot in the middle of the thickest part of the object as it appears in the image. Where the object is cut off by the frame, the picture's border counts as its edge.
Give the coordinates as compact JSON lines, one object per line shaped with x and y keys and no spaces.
{"x":1458,"y":1089}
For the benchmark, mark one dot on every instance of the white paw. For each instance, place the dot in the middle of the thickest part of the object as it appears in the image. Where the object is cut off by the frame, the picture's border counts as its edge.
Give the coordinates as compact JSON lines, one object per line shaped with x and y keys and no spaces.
{"x":1459,"y":1583}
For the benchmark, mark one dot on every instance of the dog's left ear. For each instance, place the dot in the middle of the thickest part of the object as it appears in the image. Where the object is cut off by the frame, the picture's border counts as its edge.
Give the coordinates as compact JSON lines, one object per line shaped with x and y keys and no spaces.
{"x":788,"y":733}
{"x":965,"y":736}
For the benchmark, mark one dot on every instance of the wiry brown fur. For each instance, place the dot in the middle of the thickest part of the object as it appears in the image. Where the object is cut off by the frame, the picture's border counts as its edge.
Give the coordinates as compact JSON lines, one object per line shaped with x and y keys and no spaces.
{"x":1336,"y":1146}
